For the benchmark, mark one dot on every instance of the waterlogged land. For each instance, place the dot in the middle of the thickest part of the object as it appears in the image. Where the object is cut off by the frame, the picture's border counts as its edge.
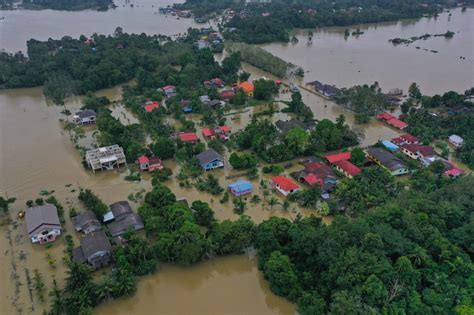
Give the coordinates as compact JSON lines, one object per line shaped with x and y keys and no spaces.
{"x":345,"y":61}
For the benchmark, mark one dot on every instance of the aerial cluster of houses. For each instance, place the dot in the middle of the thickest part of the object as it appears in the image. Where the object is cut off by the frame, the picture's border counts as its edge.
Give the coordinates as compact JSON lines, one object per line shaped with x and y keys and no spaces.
{"x":209,"y":39}
{"x":411,"y":147}
{"x":95,"y":249}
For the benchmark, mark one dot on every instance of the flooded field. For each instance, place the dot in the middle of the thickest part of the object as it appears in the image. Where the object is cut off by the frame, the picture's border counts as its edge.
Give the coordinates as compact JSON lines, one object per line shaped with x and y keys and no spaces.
{"x":343,"y":61}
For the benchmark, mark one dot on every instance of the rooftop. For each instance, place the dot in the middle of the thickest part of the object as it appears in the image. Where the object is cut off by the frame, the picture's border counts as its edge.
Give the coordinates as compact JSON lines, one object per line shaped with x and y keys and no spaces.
{"x":41,"y":216}
{"x":348,"y":167}
{"x":105,"y":157}
{"x":333,"y":158}
{"x":208,"y":156}
{"x":386,"y":158}
{"x":285,"y":183}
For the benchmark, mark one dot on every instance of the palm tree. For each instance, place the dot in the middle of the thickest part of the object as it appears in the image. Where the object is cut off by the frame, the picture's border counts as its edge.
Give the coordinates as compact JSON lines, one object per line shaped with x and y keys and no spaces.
{"x":273,"y":202}
{"x":286,"y":205}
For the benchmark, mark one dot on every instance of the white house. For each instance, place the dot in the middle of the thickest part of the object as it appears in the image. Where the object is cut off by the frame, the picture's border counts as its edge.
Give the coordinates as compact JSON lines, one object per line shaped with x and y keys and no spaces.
{"x":456,"y":140}
{"x":42,"y":223}
{"x":284,"y":185}
{"x":84,"y":117}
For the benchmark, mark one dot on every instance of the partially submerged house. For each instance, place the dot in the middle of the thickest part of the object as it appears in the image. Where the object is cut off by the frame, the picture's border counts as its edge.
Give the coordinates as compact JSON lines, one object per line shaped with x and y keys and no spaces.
{"x":216,"y":83}
{"x":450,"y":170}
{"x":84,"y":117}
{"x":392,"y":120}
{"x":456,"y":140}
{"x":416,"y":151}
{"x":227,"y":94}
{"x":149,"y":163}
{"x":240,"y":188}
{"x":86,"y":222}
{"x":42,"y":223}
{"x":284,"y":127}
{"x":324,"y":89}
{"x":210,"y":160}
{"x":106,"y":158}
{"x":389,"y":145}
{"x":121,"y":217}
{"x":388,"y":161}
{"x":213,"y":104}
{"x":95,"y":250}
{"x":284,"y":185}
{"x":342,"y":156}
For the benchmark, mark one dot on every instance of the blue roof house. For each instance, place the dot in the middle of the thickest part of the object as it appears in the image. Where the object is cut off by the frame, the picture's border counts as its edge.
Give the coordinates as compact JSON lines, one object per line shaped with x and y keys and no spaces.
{"x":240,"y":188}
{"x":390,"y":145}
{"x":210,"y":160}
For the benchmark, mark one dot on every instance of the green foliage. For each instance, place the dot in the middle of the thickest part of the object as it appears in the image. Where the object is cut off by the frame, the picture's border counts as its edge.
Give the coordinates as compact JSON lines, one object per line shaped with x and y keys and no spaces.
{"x":159,"y":176}
{"x":260,"y":58}
{"x":307,"y":198}
{"x":264,"y":89}
{"x":93,"y":203}
{"x":274,"y":169}
{"x":164,"y":148}
{"x":281,"y":274}
{"x":233,"y":237}
{"x":243,"y":161}
{"x":357,"y":156}
{"x":70,"y":5}
{"x":329,"y":136}
{"x":363,"y":99}
{"x":210,"y":184}
{"x":373,"y":187}
{"x":5,"y":203}
{"x":217,"y":145}
{"x":202,"y":213}
{"x":297,"y":106}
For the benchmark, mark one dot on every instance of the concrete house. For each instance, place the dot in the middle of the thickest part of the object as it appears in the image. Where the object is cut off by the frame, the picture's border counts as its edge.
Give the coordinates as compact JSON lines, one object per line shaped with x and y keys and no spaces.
{"x":456,"y":140}
{"x":84,"y":117}
{"x":416,"y":151}
{"x":240,"y":188}
{"x":210,"y":160}
{"x":284,"y":185}
{"x":149,"y":163}
{"x":42,"y":223}
{"x":388,"y":161}
{"x":95,"y":250}
{"x":86,"y":222}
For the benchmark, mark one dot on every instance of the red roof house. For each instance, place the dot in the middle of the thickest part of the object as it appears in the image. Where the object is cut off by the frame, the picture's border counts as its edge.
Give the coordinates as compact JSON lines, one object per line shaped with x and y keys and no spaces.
{"x":155,"y":164}
{"x":409,"y":139}
{"x":311,"y":179}
{"x":454,"y":172}
{"x":189,"y":137}
{"x":144,"y":162}
{"x":150,"y":106}
{"x":416,"y":151}
{"x":220,"y":131}
{"x":228,"y":94}
{"x":284,"y":185}
{"x":392,"y":120}
{"x":347,"y":168}
{"x":333,"y":158}
{"x":207,"y":132}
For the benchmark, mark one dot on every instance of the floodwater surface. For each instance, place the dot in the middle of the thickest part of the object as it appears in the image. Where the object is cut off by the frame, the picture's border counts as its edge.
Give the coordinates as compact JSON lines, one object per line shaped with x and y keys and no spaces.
{"x":343,"y":61}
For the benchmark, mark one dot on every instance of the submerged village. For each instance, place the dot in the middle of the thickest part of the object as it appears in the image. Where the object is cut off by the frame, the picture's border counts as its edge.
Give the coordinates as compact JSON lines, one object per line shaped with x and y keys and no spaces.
{"x":221,"y":152}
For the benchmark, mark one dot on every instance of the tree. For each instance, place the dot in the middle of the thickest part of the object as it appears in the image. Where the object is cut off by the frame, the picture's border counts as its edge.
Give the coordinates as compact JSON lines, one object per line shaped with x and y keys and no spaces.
{"x":38,"y":285}
{"x":358,"y":156}
{"x":297,"y":140}
{"x":202,"y":213}
{"x":374,"y":292}
{"x":273,"y":202}
{"x":243,"y":161}
{"x":311,"y":303}
{"x":264,"y":89}
{"x":414,"y":91}
{"x":233,"y":237}
{"x":164,"y":148}
{"x":4,"y":203}
{"x":280,"y":272}
{"x":93,"y":203}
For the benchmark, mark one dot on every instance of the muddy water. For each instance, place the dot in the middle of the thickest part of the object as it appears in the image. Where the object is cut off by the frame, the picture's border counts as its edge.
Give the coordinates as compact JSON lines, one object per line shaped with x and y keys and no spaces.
{"x":345,"y":62}
{"x":229,"y":285}
{"x":22,"y":25}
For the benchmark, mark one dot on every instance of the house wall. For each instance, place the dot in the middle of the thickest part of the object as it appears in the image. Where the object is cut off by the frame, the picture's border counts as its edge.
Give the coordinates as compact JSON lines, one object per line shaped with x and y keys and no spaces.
{"x":410,"y":154}
{"x":212,"y":165}
{"x":400,"y":171}
{"x":100,"y":259}
{"x":284,"y":192}
{"x":44,"y":235}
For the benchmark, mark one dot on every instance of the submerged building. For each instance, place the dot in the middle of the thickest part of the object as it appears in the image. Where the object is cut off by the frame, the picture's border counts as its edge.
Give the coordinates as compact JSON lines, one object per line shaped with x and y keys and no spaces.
{"x":106,"y":158}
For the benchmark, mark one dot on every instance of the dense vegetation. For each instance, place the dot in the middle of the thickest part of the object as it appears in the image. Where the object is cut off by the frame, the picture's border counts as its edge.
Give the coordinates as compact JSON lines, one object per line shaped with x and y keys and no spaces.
{"x":363,"y":99}
{"x":68,"y":5}
{"x":413,"y":254}
{"x":269,"y":22}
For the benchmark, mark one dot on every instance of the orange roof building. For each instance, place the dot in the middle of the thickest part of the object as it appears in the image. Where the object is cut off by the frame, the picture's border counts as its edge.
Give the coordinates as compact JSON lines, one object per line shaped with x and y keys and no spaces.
{"x":247,"y":87}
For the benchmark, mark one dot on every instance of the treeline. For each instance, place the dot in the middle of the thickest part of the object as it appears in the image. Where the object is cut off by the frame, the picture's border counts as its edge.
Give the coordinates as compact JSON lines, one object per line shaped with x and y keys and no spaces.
{"x":261,"y":59}
{"x":76,"y":66}
{"x":68,"y":5}
{"x":253,"y":26}
{"x":412,"y":255}
{"x":440,"y":116}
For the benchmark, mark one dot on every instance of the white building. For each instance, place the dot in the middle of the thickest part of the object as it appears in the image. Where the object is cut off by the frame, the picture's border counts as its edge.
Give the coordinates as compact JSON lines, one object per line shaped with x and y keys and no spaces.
{"x":456,"y":140}
{"x":42,"y":223}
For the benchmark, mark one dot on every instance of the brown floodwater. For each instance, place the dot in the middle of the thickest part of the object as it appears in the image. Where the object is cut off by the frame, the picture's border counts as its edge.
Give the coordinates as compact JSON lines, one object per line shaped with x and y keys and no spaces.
{"x":18,"y":26}
{"x":333,"y":59}
{"x":37,"y":154}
